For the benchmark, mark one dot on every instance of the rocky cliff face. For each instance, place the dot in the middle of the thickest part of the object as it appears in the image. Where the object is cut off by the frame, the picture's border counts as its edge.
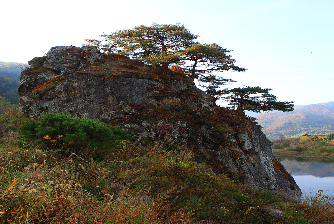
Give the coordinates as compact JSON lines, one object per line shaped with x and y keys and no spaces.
{"x":152,"y":104}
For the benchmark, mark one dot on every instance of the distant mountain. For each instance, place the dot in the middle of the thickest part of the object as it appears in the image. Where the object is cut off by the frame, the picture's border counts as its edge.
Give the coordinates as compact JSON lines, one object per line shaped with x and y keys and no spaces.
{"x":10,"y":73}
{"x":313,"y":119}
{"x":11,"y":69}
{"x":8,"y":89}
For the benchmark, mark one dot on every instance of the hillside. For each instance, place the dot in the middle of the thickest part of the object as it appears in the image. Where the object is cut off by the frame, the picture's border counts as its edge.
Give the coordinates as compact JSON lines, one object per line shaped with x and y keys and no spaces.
{"x":313,"y":119}
{"x":127,"y":183}
{"x":11,"y":69}
{"x":10,"y":80}
{"x":8,"y":89}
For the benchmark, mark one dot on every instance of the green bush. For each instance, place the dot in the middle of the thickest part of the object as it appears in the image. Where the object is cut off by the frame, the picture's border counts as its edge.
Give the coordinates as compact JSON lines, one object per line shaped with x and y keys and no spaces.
{"x":299,"y":148}
{"x":10,"y":120}
{"x":329,"y":136}
{"x":4,"y":104}
{"x":277,"y":146}
{"x":286,"y":144}
{"x":71,"y":134}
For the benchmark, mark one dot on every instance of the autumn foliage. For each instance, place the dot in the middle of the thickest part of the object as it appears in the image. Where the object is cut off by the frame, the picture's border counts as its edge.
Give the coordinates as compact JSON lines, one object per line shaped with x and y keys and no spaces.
{"x":133,"y":184}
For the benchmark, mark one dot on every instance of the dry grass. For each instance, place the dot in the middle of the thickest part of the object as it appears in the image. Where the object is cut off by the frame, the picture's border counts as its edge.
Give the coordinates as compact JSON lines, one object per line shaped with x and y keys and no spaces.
{"x":134,"y":185}
{"x":50,"y":189}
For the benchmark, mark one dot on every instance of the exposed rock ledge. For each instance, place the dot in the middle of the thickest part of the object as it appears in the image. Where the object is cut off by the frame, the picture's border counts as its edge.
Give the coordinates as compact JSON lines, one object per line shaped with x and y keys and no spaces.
{"x":152,"y":103}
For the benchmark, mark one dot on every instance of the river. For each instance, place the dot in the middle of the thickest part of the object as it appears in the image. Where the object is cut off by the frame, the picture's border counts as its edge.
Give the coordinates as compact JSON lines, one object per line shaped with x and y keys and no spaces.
{"x":311,"y":174}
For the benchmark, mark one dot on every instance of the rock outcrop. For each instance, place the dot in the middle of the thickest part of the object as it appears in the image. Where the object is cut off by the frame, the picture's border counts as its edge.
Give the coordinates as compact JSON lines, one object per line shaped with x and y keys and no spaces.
{"x":152,"y":103}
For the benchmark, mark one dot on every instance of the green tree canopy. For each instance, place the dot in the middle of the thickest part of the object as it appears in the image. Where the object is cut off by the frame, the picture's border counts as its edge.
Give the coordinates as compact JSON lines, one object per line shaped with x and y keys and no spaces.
{"x":330,"y":136}
{"x":163,"y":45}
{"x":156,"y":44}
{"x":206,"y":58}
{"x":167,"y":44}
{"x":255,"y":99}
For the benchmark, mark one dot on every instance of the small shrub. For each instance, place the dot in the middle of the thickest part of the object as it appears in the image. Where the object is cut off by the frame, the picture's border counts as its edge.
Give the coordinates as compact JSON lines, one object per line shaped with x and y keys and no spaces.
{"x":71,"y":134}
{"x":329,"y":137}
{"x":286,"y":144}
{"x":326,"y":149}
{"x":320,"y":144}
{"x":4,"y":104}
{"x":11,"y":119}
{"x":305,"y":139}
{"x":269,"y":196}
{"x":320,"y":199}
{"x":299,"y":148}
{"x":277,"y":146}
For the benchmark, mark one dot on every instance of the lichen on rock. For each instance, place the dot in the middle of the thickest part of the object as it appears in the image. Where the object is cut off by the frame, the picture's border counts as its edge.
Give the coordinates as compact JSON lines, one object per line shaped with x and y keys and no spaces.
{"x":152,"y":103}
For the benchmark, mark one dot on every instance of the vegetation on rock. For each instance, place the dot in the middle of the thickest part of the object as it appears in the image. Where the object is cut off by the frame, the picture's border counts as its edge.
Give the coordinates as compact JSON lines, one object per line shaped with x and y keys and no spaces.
{"x":157,"y":44}
{"x":167,"y":45}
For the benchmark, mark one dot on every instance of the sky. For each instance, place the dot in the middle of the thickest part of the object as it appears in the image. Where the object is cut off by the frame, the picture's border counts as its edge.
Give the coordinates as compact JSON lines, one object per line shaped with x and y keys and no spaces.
{"x":285,"y":45}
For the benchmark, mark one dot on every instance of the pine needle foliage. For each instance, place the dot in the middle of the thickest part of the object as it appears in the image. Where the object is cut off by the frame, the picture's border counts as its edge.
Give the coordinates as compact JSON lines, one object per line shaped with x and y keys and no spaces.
{"x":71,"y":134}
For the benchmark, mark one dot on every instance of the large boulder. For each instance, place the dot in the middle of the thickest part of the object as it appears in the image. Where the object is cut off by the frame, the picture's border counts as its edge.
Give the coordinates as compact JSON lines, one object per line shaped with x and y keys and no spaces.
{"x":152,"y":104}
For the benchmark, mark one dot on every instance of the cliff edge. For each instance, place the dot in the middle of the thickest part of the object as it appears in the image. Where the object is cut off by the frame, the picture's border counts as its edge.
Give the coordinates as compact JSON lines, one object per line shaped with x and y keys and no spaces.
{"x":152,"y":104}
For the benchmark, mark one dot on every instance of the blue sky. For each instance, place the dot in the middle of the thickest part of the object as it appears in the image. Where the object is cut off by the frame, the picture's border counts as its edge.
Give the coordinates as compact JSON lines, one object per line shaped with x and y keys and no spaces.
{"x":286,"y":45}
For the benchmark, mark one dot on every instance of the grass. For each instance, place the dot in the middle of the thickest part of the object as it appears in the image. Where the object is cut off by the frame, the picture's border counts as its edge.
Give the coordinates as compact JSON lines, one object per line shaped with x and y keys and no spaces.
{"x":305,"y":146}
{"x":133,"y":184}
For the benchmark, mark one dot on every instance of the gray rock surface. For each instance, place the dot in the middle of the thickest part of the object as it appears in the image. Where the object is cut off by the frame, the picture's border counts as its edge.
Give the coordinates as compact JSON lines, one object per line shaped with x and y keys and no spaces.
{"x":152,"y":104}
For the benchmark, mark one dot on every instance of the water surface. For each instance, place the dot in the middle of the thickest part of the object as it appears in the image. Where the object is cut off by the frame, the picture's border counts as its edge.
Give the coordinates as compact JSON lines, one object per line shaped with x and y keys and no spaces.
{"x":311,"y":174}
